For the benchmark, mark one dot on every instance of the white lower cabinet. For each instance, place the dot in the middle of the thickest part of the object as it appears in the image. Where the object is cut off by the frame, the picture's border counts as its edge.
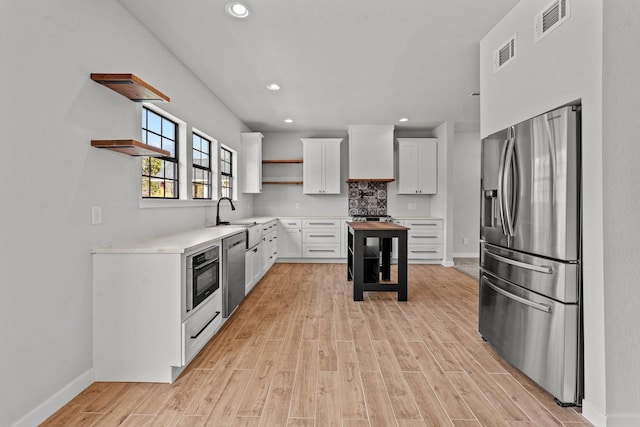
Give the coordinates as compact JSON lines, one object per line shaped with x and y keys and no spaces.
{"x":424,"y":238}
{"x":253,"y":267}
{"x":141,"y":330}
{"x":194,"y":329}
{"x":321,"y":238}
{"x":289,"y":238}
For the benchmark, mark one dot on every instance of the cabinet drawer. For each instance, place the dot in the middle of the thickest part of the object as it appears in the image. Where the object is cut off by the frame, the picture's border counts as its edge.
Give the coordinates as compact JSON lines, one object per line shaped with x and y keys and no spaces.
{"x":424,"y":252}
{"x":321,"y":223}
{"x":321,"y":250}
{"x":290,"y":223}
{"x":423,"y":224}
{"x":419,"y":237}
{"x":321,"y":236}
{"x":200,"y":326}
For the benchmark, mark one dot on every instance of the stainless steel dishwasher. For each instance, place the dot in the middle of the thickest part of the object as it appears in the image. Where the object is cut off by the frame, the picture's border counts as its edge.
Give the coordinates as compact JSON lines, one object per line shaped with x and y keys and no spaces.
{"x":233,"y":249}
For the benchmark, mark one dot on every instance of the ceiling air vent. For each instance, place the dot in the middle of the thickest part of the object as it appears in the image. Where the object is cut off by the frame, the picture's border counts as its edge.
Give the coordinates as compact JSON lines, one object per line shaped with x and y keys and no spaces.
{"x":504,"y":54}
{"x":551,"y":18}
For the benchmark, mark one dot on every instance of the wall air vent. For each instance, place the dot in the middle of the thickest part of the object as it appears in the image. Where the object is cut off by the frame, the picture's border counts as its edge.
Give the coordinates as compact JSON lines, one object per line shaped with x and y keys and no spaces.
{"x":504,"y":54}
{"x":551,"y":17}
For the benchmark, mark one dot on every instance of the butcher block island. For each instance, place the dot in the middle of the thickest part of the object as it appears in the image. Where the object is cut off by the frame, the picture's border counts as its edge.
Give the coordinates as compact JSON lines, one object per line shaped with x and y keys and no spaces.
{"x":369,"y":258}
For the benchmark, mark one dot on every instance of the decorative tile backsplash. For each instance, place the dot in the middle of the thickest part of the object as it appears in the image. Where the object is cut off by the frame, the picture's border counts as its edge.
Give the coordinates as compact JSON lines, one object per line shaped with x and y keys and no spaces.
{"x":367,"y":198}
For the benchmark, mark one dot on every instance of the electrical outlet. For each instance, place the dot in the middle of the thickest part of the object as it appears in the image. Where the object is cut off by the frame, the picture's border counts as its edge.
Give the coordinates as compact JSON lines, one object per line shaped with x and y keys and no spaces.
{"x":96,"y":215}
{"x":465,"y":241}
{"x":297,"y":205}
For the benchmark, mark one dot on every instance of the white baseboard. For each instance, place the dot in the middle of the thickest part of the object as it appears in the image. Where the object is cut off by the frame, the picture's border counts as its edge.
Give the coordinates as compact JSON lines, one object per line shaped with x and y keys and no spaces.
{"x":593,"y":414}
{"x":447,"y":263}
{"x":57,"y":401}
{"x":466,"y":255}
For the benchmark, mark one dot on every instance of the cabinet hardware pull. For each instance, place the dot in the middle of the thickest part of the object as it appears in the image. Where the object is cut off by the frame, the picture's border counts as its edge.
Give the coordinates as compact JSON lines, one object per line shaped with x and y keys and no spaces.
{"x":540,"y":269}
{"x":322,"y":235}
{"x":193,"y":337}
{"x":321,"y":250}
{"x":424,"y":252}
{"x":321,"y":223}
{"x":542,"y":307}
{"x":424,"y":237}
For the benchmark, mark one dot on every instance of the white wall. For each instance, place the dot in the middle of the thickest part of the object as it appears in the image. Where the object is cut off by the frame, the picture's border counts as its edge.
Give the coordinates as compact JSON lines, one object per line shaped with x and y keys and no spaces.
{"x":50,"y":178}
{"x":564,"y":66}
{"x":621,"y":127}
{"x":466,"y":198}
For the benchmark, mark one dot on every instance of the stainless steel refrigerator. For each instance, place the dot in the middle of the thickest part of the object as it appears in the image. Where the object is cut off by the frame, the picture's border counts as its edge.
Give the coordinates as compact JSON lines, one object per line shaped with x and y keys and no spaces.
{"x":530,"y":250}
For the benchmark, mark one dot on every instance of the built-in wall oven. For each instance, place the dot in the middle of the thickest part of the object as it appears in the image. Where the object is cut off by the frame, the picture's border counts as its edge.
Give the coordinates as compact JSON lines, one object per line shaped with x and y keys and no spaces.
{"x":203,"y":273}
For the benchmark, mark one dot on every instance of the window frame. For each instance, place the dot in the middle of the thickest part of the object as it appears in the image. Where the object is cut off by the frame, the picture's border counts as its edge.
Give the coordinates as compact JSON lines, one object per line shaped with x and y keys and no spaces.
{"x":206,"y":170}
{"x":174,"y":160}
{"x":232,"y":176}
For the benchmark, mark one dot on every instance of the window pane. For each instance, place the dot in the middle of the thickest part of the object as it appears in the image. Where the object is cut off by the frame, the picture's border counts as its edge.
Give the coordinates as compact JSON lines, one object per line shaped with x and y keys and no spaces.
{"x":153,"y":122}
{"x":170,"y":146}
{"x":154,"y":140}
{"x":168,"y":129}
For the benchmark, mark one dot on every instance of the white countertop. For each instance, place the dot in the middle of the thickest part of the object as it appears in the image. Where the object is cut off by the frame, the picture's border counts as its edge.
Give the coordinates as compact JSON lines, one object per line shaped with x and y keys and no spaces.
{"x":176,"y":243}
{"x":197,"y":238}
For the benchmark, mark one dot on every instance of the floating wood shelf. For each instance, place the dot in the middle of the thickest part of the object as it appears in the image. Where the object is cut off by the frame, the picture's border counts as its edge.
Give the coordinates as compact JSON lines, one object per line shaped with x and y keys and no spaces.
{"x":130,"y":147}
{"x":282,"y":182}
{"x":268,"y":162}
{"x":370,"y":180}
{"x":130,"y":86}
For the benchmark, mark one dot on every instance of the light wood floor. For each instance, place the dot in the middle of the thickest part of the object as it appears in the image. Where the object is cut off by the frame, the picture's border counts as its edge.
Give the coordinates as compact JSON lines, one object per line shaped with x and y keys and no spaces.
{"x":300,"y":352}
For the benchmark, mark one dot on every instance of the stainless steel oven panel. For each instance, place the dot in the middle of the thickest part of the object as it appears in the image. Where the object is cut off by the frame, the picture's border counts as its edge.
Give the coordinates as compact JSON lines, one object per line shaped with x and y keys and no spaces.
{"x":535,"y":334}
{"x":204,"y":258}
{"x":557,"y":280}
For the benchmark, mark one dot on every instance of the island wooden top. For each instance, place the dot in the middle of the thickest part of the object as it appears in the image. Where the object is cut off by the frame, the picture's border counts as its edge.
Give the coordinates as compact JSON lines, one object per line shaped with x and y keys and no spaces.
{"x":376,"y":226}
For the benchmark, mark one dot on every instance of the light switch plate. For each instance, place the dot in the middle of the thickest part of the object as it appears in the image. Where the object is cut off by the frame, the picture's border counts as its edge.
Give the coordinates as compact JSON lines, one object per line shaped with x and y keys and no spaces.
{"x":96,"y":215}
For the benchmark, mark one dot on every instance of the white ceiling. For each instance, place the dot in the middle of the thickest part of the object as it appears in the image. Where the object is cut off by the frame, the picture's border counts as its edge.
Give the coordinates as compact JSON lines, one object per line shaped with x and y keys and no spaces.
{"x":339,"y":62}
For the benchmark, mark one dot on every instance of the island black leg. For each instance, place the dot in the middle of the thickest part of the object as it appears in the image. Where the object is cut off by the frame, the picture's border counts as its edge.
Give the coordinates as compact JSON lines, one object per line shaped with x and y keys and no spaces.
{"x":402,"y":267}
{"x":386,"y":258}
{"x":358,"y":266}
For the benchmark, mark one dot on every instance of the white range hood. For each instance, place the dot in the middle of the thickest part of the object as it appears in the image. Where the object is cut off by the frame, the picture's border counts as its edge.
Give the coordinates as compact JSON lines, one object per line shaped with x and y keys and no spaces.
{"x":370,"y":153}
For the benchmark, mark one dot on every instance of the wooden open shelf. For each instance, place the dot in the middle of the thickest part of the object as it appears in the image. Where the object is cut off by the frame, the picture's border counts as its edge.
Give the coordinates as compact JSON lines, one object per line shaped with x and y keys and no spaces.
{"x":371,"y":180}
{"x":129,"y":146}
{"x":130,"y":86}
{"x":269,"y":162}
{"x":282,"y":182}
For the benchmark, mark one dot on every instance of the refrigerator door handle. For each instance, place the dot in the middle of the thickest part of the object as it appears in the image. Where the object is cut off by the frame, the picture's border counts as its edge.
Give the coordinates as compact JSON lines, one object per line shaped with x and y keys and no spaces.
{"x":506,"y":177}
{"x":539,"y":268}
{"x":541,"y":307}
{"x":501,"y":166}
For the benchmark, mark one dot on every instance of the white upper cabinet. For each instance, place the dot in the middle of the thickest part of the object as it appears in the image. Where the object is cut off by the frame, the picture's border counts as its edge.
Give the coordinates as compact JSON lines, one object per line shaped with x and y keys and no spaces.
{"x":371,"y":152}
{"x":417,"y":165}
{"x":321,"y":165}
{"x":251,"y":160}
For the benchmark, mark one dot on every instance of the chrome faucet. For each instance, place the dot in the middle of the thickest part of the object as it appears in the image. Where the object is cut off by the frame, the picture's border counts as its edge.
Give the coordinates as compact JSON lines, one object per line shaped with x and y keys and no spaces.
{"x":233,"y":208}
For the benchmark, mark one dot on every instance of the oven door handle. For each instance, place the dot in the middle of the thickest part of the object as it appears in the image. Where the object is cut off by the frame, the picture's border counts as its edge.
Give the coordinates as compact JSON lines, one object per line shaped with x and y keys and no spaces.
{"x":201,"y":266}
{"x":541,"y":307}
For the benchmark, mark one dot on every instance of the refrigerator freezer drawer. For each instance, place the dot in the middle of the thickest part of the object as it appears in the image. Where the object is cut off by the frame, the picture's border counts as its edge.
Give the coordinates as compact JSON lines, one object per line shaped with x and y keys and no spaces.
{"x":535,"y":334}
{"x":554,"y":279}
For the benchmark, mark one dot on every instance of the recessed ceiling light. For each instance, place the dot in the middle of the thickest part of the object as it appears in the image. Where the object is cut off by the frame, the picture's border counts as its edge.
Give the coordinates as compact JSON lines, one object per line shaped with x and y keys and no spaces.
{"x":288,"y":120}
{"x":273,"y":86}
{"x":404,"y":119}
{"x":237,"y":10}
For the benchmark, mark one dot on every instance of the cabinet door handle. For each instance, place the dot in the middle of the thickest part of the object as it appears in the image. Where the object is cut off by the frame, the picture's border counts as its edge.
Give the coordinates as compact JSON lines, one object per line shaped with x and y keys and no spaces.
{"x":193,"y":337}
{"x":322,"y":235}
{"x":424,"y":252}
{"x":424,"y":237}
{"x":321,"y":250}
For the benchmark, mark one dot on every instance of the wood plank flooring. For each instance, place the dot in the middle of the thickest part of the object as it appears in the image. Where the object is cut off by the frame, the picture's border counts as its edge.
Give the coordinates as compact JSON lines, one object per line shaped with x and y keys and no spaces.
{"x":299,"y":352}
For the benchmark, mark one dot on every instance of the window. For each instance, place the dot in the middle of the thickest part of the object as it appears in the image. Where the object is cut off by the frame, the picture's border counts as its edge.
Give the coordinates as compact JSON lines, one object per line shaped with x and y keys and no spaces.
{"x":160,"y":174}
{"x":226,"y":173}
{"x":201,"y":181}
